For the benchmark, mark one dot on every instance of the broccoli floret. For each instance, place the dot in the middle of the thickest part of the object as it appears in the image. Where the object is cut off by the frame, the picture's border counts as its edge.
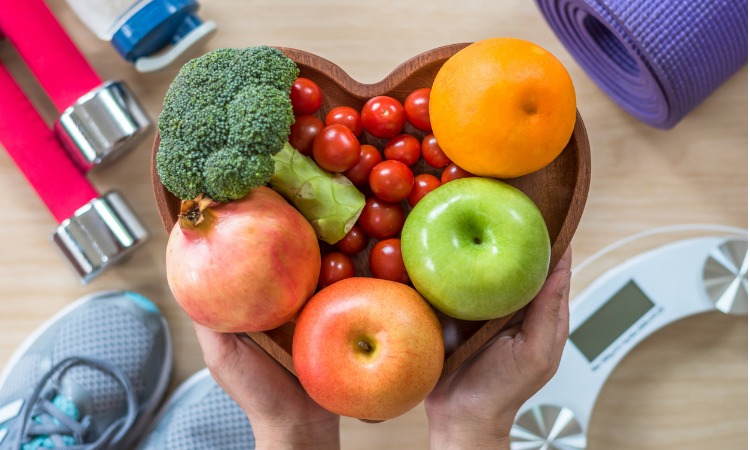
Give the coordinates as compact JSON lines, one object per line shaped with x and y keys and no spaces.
{"x":230,"y":173}
{"x":252,"y":126}
{"x":224,"y":116}
{"x":180,"y":170}
{"x":268,"y":66}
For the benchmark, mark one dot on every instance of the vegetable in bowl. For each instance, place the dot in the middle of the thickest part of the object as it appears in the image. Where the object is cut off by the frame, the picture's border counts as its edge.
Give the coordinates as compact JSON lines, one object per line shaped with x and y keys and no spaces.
{"x":224,"y":129}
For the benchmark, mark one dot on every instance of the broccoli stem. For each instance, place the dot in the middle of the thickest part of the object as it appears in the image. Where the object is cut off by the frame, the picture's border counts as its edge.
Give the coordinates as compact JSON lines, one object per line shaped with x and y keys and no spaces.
{"x":330,"y":202}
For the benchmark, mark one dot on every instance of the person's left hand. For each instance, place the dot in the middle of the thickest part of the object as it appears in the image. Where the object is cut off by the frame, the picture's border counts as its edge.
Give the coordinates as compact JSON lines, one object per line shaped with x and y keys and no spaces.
{"x":474,"y":407}
{"x":281,"y":413}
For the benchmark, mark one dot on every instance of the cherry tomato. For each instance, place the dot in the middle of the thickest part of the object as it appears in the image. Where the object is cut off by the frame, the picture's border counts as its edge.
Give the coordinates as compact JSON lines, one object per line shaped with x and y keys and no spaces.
{"x":345,"y":116}
{"x":432,"y":153}
{"x":306,"y":97}
{"x":334,"y":267}
{"x":369,"y":157}
{"x":391,"y":180}
{"x":404,"y":148}
{"x":417,"y":108}
{"x":381,"y":219}
{"x":453,"y":172}
{"x":303,"y":132}
{"x":335,"y":148}
{"x":354,"y":242}
{"x":386,"y":261}
{"x":424,"y":183}
{"x":383,"y":117}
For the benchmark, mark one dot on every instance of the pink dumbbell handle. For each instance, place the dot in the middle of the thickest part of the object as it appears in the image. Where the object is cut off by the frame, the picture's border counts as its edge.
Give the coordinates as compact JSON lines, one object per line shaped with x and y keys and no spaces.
{"x":36,"y":151}
{"x":49,"y":52}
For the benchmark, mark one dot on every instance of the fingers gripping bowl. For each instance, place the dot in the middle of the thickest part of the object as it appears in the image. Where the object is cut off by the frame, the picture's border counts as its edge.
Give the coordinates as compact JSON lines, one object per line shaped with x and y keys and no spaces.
{"x":559,"y":189}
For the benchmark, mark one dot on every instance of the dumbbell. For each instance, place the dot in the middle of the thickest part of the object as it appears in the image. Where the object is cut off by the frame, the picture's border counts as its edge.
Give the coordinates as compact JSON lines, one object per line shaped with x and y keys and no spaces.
{"x":94,"y":231}
{"x":98,"y":121}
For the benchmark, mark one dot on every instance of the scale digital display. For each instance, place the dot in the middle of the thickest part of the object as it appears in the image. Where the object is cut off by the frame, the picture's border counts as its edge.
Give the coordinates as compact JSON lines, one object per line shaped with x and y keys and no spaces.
{"x":611,"y":320}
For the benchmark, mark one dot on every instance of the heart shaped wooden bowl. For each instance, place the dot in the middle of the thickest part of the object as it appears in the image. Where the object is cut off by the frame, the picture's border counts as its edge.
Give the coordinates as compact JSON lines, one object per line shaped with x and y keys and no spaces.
{"x":559,"y":190}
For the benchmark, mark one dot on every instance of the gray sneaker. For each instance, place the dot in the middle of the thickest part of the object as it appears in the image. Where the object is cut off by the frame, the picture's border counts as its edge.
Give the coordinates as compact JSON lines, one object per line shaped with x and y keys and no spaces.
{"x":199,"y":415}
{"x":90,"y":378}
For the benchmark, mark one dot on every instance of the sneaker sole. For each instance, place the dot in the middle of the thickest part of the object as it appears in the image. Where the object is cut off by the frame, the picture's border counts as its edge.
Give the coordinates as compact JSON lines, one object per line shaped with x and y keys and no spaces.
{"x":149,"y":409}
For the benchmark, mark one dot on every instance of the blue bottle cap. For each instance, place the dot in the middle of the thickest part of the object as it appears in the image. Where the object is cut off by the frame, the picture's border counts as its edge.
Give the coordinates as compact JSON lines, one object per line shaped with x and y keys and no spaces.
{"x":156,"y":25}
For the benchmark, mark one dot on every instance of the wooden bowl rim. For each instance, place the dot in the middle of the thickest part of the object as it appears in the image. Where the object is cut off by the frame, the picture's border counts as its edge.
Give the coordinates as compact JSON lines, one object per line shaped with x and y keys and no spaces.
{"x":366,"y":90}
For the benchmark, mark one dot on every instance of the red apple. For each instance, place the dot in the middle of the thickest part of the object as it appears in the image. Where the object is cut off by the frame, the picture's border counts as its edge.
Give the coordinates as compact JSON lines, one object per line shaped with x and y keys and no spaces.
{"x":368,"y":348}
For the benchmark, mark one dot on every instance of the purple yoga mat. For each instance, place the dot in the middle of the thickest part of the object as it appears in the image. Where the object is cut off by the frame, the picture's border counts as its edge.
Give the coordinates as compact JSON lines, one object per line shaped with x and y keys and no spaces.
{"x":657,"y":59}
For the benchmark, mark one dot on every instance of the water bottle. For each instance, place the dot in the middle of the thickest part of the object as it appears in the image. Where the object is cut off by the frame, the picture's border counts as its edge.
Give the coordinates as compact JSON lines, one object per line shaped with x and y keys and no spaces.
{"x":149,"y":33}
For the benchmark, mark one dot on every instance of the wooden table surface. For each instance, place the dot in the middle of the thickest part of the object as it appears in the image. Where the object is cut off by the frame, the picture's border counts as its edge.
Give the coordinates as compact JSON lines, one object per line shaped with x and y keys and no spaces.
{"x":683,"y":388}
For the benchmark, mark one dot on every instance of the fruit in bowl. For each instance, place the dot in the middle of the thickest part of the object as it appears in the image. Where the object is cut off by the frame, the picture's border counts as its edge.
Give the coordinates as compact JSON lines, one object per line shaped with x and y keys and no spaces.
{"x":559,"y":189}
{"x":368,"y":348}
{"x":240,"y":258}
{"x":502,"y":107}
{"x":476,"y":248}
{"x":216,"y":277}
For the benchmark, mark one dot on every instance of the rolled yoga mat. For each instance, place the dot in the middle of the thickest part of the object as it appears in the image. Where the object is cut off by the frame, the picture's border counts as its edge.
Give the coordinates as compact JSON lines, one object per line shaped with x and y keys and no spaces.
{"x":657,"y":59}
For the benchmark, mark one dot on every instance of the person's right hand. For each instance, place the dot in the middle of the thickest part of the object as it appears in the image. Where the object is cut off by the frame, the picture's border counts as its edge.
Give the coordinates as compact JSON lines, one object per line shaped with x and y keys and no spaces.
{"x":281,"y":413}
{"x":475,"y":406}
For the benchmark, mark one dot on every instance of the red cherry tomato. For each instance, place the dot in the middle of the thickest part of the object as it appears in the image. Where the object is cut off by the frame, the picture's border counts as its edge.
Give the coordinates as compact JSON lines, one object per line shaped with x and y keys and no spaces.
{"x":334,"y":267}
{"x":306,"y":97}
{"x":380,"y":219}
{"x":404,"y":148}
{"x":383,"y":117}
{"x":369,"y":157}
{"x":417,"y":107}
{"x":335,"y":148}
{"x":345,"y":116}
{"x":391,"y":180}
{"x":303,"y":132}
{"x":453,"y":172}
{"x":432,"y":153}
{"x":353,"y":242}
{"x":386,"y":261}
{"x":424,"y":183}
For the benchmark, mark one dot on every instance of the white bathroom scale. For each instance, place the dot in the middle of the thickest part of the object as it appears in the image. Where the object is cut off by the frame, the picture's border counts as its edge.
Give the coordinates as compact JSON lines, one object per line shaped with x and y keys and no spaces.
{"x":615,"y":312}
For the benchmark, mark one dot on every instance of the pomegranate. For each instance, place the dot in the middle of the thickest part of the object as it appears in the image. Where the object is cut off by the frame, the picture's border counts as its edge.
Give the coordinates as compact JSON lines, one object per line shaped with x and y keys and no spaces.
{"x":246,"y":265}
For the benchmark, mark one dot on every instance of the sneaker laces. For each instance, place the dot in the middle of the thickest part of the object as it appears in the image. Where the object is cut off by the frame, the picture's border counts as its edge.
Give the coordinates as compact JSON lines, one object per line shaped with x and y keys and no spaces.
{"x":45,"y":420}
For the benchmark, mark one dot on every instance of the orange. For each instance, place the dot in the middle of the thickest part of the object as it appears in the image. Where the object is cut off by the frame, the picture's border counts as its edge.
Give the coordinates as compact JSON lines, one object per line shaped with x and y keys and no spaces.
{"x":502,"y":107}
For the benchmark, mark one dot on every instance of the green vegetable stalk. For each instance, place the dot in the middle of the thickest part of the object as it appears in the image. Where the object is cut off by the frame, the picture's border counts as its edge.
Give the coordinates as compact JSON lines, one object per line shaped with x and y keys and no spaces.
{"x":331,"y":202}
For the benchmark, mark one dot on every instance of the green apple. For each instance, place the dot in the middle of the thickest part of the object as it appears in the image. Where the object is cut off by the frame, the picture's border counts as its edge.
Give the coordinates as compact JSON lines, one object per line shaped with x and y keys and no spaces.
{"x":476,"y":248}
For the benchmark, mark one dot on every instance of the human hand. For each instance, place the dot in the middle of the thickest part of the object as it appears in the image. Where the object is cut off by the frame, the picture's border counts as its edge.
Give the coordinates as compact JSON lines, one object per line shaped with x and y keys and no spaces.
{"x":475,"y":406}
{"x":281,"y":413}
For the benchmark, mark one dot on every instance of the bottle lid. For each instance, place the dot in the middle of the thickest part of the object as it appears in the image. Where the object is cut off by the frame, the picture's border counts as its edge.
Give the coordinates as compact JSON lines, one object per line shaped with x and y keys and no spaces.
{"x":99,"y":234}
{"x":157,"y":25}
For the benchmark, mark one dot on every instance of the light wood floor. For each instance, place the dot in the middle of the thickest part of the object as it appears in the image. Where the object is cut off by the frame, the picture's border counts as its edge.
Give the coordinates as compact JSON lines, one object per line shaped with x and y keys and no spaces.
{"x":683,"y":388}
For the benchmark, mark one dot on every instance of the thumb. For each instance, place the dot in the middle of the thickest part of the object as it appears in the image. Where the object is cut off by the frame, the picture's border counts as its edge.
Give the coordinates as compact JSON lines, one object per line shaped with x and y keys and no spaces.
{"x":220,"y":350}
{"x":540,"y":326}
{"x":228,"y":355}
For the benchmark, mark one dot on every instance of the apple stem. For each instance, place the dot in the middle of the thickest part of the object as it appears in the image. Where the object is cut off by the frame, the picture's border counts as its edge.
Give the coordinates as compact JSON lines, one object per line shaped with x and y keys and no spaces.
{"x":364,"y":346}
